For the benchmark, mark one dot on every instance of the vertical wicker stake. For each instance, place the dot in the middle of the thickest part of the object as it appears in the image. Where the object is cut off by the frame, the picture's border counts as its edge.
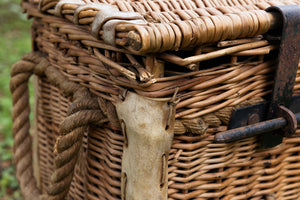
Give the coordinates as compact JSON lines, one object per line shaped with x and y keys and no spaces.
{"x":148,"y":128}
{"x":155,"y":66}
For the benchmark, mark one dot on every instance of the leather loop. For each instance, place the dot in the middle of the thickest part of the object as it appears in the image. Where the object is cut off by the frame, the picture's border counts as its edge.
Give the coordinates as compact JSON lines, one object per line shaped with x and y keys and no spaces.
{"x":92,"y":6}
{"x":109,"y":29}
{"x":105,"y":15}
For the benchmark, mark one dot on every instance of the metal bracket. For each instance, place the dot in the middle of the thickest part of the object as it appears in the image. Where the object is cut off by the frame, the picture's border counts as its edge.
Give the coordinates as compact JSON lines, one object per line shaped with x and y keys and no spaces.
{"x":288,"y":61}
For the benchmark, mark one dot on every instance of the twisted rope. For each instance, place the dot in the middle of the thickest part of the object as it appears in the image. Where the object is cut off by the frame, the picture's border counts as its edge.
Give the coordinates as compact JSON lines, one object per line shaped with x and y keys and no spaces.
{"x":20,"y":74}
{"x":84,"y":111}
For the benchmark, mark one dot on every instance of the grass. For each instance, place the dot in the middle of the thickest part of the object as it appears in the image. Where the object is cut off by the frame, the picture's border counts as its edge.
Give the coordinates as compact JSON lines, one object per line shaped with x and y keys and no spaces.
{"x":15,"y":41}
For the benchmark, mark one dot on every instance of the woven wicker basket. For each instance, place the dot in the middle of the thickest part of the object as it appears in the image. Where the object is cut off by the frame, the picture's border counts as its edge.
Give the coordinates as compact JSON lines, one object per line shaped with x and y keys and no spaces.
{"x":130,"y":94}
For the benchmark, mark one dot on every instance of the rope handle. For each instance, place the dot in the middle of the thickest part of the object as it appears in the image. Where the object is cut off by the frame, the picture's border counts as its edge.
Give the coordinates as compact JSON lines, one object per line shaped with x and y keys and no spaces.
{"x":84,"y":111}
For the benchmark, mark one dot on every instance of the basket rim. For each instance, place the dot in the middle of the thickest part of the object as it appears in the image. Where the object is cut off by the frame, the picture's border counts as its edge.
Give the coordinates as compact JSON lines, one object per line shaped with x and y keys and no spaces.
{"x":158,"y":26}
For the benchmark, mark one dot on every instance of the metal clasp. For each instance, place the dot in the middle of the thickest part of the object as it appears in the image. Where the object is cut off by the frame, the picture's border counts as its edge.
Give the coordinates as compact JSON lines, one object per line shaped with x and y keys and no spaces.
{"x":287,"y":122}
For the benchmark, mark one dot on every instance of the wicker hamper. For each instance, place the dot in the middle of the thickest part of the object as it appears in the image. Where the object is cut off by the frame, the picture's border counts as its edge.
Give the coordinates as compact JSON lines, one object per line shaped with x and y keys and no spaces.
{"x":140,"y":100}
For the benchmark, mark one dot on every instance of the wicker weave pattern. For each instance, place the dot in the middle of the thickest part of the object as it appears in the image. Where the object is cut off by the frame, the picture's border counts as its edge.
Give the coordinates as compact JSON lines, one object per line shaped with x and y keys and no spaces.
{"x":198,"y":168}
{"x":171,"y":24}
{"x":211,"y":75}
{"x":223,"y":82}
{"x":48,"y":122}
{"x":201,"y":177}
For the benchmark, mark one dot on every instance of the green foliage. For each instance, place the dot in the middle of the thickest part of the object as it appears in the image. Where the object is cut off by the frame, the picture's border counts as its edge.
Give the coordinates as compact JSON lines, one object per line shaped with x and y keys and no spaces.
{"x":7,"y":179}
{"x":14,"y":43}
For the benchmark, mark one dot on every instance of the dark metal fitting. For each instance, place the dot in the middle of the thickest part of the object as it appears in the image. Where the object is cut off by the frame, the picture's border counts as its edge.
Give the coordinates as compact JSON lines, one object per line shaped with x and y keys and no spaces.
{"x":288,"y":61}
{"x":256,"y":129}
{"x":252,"y":121}
{"x":290,"y":118}
{"x":254,"y":118}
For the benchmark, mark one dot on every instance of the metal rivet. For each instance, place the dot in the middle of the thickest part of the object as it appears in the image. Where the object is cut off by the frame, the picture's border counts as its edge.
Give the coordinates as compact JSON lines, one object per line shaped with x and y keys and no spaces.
{"x":254,"y":118}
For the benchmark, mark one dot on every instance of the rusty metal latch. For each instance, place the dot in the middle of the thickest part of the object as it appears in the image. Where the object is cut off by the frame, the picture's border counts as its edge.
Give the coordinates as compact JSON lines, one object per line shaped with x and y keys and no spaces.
{"x":288,"y":122}
{"x":277,"y":113}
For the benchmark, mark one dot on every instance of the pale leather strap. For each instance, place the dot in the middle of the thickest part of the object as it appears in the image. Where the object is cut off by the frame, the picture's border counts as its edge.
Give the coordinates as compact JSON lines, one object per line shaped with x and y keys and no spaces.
{"x":148,"y":128}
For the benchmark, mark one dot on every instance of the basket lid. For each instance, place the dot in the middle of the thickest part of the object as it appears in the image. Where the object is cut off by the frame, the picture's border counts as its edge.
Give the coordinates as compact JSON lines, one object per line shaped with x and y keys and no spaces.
{"x":148,"y":26}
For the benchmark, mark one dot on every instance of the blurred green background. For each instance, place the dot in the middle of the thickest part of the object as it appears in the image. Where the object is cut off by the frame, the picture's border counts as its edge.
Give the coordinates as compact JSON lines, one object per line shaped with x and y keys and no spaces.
{"x":14,"y":43}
